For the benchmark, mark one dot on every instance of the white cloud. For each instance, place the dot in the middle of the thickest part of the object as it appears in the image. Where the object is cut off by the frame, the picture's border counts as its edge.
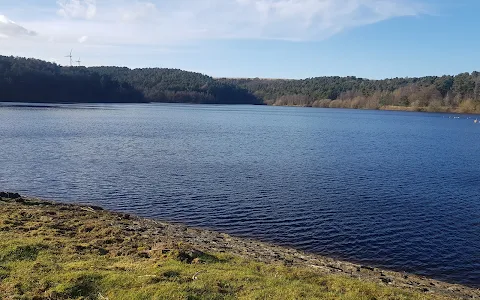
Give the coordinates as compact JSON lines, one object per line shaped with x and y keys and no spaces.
{"x":82,"y":39}
{"x":178,"y":20}
{"x":138,"y":11}
{"x":77,"y":9}
{"x":165,"y":22}
{"x":8,"y":28}
{"x":124,"y":25}
{"x":297,"y":19}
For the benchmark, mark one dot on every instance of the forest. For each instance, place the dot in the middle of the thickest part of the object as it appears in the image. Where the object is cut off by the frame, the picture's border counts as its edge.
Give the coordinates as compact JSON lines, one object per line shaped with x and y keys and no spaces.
{"x":33,"y":80}
{"x":177,"y":86}
{"x":460,"y":93}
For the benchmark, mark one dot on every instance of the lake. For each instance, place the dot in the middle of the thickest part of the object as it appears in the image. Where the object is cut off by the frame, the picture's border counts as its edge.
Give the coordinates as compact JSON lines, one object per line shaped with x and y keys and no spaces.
{"x":396,"y":190}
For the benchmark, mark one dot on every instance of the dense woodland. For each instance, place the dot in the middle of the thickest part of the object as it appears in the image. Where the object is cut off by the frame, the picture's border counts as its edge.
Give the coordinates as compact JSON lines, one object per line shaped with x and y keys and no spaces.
{"x":177,"y":86}
{"x":459,"y":93}
{"x":32,"y":80}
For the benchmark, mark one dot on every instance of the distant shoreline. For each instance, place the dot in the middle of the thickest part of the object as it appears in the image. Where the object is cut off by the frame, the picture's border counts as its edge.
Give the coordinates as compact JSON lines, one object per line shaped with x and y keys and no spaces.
{"x":32,"y":79}
{"x":443,"y":110}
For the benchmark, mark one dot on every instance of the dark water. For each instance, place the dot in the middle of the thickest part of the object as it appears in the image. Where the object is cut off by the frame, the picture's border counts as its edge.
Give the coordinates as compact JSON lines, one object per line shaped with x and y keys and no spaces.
{"x":392,"y":189}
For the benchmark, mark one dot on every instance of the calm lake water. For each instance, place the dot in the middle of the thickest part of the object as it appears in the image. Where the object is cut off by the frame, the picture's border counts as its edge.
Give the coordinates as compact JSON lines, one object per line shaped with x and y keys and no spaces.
{"x":391,"y":189}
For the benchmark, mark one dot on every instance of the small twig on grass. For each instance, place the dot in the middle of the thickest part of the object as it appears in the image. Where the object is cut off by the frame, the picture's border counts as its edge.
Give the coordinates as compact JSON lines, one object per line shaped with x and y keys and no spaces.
{"x":194,"y":277}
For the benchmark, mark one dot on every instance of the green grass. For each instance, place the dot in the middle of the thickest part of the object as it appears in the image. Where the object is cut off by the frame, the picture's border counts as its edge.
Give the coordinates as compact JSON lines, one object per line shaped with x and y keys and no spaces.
{"x":48,"y":253}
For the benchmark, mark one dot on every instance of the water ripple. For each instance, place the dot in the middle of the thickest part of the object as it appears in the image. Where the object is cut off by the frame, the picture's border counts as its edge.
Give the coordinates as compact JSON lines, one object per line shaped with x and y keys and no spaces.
{"x":383,"y":188}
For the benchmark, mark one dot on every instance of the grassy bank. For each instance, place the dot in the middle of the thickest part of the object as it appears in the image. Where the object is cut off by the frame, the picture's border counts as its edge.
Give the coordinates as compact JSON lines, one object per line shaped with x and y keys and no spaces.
{"x":429,"y":109}
{"x":438,"y":109}
{"x":56,"y":251}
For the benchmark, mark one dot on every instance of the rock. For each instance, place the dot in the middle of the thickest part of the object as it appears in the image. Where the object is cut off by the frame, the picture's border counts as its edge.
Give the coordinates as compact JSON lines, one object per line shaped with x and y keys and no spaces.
{"x":368,"y":268}
{"x":335,"y":268}
{"x":96,"y":208}
{"x":386,"y":280}
{"x":19,"y":200}
{"x":9,"y":195}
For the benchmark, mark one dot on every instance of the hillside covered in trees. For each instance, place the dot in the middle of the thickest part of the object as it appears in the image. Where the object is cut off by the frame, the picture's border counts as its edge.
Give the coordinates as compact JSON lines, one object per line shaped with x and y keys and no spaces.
{"x":177,"y":86}
{"x":32,"y":80}
{"x":459,"y":93}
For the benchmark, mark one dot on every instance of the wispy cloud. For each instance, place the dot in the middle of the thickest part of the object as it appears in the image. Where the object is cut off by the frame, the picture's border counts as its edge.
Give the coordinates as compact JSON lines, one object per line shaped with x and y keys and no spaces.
{"x":77,"y":9}
{"x":173,"y":23}
{"x":138,"y":11}
{"x":82,"y":39}
{"x":9,"y":28}
{"x":312,"y":19}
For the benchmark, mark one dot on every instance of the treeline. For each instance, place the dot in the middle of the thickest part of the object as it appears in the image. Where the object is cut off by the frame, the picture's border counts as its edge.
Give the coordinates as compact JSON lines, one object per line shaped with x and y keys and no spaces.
{"x":459,"y":93}
{"x":32,"y":80}
{"x":177,"y":86}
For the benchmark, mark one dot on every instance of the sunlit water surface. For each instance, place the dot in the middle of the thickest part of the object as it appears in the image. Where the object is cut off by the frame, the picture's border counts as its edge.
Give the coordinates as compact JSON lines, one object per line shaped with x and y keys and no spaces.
{"x":390,"y":189}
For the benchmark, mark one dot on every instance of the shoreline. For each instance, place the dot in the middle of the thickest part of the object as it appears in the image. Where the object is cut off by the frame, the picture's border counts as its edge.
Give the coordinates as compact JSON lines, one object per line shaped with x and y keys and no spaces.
{"x":392,"y":108}
{"x":155,"y":232}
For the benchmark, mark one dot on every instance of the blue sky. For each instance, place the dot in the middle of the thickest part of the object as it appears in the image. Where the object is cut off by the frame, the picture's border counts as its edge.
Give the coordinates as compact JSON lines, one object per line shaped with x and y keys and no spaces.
{"x":251,"y":38}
